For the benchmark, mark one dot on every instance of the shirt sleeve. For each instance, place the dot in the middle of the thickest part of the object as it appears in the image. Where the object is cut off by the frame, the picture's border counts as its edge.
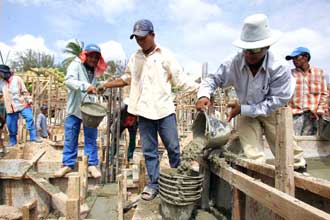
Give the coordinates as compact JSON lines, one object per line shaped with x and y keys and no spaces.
{"x":72,"y":78}
{"x":281,"y":88}
{"x":126,"y":77}
{"x":215,"y":80}
{"x":177,"y":76}
{"x":323,"y":105}
{"x":39,"y":121}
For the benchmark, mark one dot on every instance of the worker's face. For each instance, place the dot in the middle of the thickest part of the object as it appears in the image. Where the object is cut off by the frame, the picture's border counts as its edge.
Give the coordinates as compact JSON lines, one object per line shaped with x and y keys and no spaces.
{"x":147,"y":42}
{"x":299,"y":61}
{"x":253,"y":56}
{"x":93,"y":59}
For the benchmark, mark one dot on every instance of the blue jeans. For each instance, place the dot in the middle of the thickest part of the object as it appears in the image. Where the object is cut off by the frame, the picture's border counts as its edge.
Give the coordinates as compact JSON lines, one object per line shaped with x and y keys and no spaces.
{"x":12,"y":119}
{"x":70,"y":150}
{"x":149,"y":129}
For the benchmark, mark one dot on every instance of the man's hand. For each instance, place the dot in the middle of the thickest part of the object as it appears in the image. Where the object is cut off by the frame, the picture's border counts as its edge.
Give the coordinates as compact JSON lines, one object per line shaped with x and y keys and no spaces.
{"x":235,"y":110}
{"x":100,"y":89}
{"x":203,"y":103}
{"x":91,"y":90}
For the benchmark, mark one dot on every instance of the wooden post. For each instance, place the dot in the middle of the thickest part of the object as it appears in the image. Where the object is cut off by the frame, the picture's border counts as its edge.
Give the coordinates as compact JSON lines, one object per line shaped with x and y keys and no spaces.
{"x":125,"y":159}
{"x":120,"y":197}
{"x":73,"y":204}
{"x":124,"y":171}
{"x":142,"y":175}
{"x":205,"y":201}
{"x":284,"y":176}
{"x":83,"y":173}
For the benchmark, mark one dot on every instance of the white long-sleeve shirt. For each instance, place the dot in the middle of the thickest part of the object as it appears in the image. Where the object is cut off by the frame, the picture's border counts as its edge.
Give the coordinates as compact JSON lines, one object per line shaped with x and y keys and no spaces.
{"x":151,"y":78}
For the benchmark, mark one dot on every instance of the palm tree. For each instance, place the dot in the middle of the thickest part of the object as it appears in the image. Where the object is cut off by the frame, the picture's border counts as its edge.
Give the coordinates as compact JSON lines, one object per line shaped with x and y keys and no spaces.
{"x":73,"y":48}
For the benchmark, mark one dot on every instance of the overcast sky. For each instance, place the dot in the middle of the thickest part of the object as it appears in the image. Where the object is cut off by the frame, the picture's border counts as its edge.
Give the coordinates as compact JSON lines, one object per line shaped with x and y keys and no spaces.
{"x":196,"y":31}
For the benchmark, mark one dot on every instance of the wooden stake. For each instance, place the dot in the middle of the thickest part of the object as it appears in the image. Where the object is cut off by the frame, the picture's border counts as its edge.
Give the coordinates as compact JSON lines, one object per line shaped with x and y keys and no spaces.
{"x":120,"y":197}
{"x":83,"y":173}
{"x":142,"y":175}
{"x":125,"y":184}
{"x":73,"y":204}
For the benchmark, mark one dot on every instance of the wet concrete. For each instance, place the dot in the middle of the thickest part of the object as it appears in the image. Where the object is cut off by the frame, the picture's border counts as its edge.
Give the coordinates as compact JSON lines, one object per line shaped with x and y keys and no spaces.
{"x":319,"y":167}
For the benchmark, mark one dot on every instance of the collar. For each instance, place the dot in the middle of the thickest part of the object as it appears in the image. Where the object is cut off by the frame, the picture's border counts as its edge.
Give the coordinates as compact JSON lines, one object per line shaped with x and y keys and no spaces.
{"x":263,"y":66}
{"x":157,"y":49}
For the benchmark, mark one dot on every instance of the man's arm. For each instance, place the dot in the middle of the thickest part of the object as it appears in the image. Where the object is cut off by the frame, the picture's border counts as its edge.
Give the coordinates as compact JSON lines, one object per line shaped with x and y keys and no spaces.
{"x":72,"y":81}
{"x":281,"y":88}
{"x":323,"y":105}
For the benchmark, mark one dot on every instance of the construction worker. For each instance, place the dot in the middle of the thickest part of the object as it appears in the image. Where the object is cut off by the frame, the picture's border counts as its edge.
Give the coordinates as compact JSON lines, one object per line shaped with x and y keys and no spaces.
{"x":310,"y":99}
{"x":42,"y":127}
{"x":262,"y":83}
{"x":81,"y":80}
{"x":17,"y":101}
{"x":151,"y":72}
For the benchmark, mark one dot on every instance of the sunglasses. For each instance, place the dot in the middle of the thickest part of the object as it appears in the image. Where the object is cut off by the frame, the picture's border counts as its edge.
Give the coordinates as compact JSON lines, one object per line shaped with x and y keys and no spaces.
{"x":256,"y":50}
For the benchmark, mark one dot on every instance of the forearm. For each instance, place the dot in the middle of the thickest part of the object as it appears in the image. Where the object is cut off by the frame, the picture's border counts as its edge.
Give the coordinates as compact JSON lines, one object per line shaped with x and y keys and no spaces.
{"x":115,"y":83}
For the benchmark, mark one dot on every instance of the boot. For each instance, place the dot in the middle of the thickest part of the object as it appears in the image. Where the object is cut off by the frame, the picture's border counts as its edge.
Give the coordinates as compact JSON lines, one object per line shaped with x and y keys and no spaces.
{"x":94,"y":171}
{"x":61,"y":172}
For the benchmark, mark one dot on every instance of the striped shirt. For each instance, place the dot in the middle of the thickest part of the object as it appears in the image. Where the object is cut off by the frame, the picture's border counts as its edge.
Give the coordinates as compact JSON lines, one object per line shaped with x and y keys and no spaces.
{"x":311,"y":91}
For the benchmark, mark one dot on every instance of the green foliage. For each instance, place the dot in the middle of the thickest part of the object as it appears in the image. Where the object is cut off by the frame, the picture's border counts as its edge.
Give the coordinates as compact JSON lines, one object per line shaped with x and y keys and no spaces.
{"x":31,"y":59}
{"x":74,"y":49}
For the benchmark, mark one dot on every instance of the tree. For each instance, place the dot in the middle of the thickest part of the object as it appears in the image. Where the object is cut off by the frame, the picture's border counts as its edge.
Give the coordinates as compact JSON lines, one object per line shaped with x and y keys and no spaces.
{"x":73,"y":48}
{"x":28,"y":59}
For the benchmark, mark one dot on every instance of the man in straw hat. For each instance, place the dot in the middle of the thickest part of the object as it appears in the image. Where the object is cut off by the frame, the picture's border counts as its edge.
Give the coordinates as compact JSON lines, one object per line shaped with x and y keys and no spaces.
{"x":81,"y":80}
{"x":262,"y":84}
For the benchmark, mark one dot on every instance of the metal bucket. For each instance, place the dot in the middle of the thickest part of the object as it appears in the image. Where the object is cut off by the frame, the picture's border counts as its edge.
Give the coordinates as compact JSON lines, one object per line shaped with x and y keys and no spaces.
{"x":214,"y":130}
{"x":325,"y":128}
{"x":92,"y":113}
{"x":178,"y":194}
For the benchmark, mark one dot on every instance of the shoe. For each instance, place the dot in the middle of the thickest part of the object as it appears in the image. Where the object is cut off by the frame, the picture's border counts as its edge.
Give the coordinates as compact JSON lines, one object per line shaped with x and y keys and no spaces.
{"x":61,"y":172}
{"x":301,"y":169}
{"x":94,"y":171}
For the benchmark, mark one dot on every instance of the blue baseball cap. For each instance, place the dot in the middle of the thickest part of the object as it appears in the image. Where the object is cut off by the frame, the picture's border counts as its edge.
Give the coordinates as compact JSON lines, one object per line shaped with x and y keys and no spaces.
{"x":142,"y":28}
{"x":43,"y":107}
{"x":298,"y":51}
{"x":92,"y":48}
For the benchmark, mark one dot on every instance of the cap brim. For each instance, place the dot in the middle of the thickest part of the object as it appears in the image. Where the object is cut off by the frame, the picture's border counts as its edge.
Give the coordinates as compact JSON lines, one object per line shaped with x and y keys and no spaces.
{"x":275,"y":36}
{"x":139,"y":34}
{"x":289,"y":57}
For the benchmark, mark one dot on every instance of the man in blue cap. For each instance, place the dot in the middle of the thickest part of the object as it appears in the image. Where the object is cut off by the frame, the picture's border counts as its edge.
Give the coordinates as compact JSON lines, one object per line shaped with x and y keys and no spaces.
{"x":310,"y":100}
{"x":81,"y":79}
{"x":42,"y":127}
{"x":151,"y":72}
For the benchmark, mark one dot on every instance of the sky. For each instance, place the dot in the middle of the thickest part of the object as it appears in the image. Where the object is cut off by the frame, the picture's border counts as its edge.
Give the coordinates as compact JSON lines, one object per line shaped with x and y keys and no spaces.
{"x":196,"y":31}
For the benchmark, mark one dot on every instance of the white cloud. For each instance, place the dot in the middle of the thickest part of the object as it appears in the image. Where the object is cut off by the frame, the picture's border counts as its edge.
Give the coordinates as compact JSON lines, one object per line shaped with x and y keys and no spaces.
{"x":112,"y":50}
{"x":22,"y":43}
{"x":191,"y":11}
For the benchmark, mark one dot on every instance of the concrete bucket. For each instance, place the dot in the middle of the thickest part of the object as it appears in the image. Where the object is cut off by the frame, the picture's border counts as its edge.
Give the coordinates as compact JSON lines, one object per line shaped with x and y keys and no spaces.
{"x":92,"y":113}
{"x":179,"y":193}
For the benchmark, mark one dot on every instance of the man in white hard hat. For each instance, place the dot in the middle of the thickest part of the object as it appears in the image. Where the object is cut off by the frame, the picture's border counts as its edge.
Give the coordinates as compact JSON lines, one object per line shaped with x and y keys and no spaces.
{"x":262,"y":83}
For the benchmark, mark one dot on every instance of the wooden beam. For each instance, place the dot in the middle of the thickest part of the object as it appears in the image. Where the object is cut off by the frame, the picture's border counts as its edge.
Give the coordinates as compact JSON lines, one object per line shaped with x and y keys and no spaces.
{"x":120,"y":197}
{"x":142,"y":175}
{"x":280,"y":203}
{"x":73,"y":203}
{"x":83,"y":173}
{"x":59,"y":198}
{"x":205,"y":200}
{"x":315,"y":185}
{"x":284,"y":177}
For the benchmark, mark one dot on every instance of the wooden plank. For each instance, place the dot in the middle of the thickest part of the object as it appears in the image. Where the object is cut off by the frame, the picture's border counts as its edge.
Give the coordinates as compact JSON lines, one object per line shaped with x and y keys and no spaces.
{"x":73,"y":203}
{"x":205,"y":200}
{"x":315,"y":185}
{"x":120,"y":197}
{"x":282,"y":204}
{"x":238,"y":210}
{"x":284,"y":177}
{"x":59,"y":199}
{"x":142,"y":175}
{"x":37,"y":156}
{"x":83,"y":172}
{"x":14,"y":168}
